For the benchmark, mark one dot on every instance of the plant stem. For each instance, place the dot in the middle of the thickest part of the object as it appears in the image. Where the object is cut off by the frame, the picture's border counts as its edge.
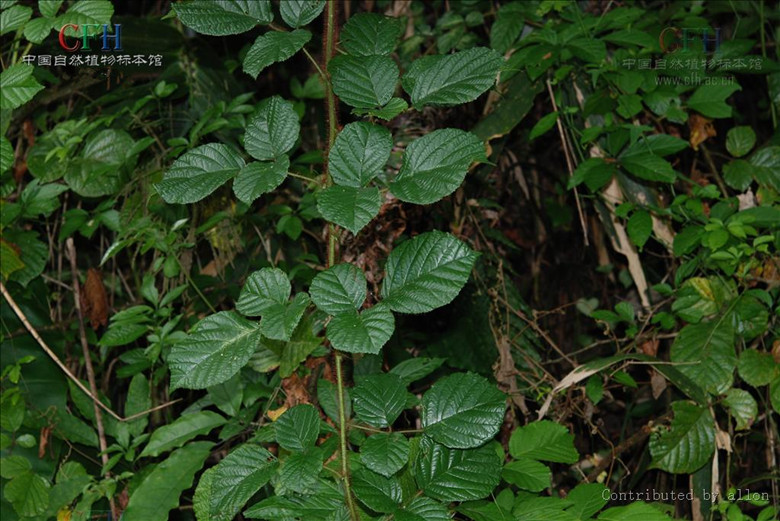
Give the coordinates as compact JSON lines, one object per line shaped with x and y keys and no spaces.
{"x":353,"y":513}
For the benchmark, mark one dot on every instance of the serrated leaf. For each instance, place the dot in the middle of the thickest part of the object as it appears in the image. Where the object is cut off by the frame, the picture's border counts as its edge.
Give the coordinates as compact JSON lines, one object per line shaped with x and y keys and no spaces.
{"x":223,"y":17}
{"x":377,"y":492}
{"x":359,"y":154}
{"x":17,"y":86}
{"x":706,"y":354}
{"x":198,"y":173}
{"x":426,"y":272}
{"x":138,"y":400}
{"x":637,"y":511}
{"x":506,"y":29}
{"x":369,"y":34}
{"x":274,"y":47}
{"x":12,"y":466}
{"x":339,"y":289}
{"x":348,"y":207}
{"x":543,"y":440}
{"x":756,"y":368}
{"x":588,"y":498}
{"x":738,"y":174}
{"x":6,"y":155}
{"x":81,"y":13}
{"x":452,"y":79}
{"x":299,"y":472}
{"x":463,"y":410}
{"x":272,"y":130}
{"x":435,"y":165}
{"x":710,"y":100}
{"x":364,"y":332}
{"x":385,"y":453}
{"x":28,"y":493}
{"x":657,"y":144}
{"x":218,"y":347}
{"x":639,"y":227}
{"x":423,"y":508}
{"x":280,"y":320}
{"x":456,"y":474}
{"x":38,"y":29}
{"x":297,"y":13}
{"x":688,"y":443}
{"x":363,"y":81}
{"x":262,"y":290}
{"x":297,"y":429}
{"x":416,"y":368}
{"x":14,"y":18}
{"x":740,"y":140}
{"x":389,"y":111}
{"x":258,"y":178}
{"x":378,"y":400}
{"x":328,"y":397}
{"x":325,"y":503}
{"x":742,"y":406}
{"x":49,"y":8}
{"x":159,"y":491}
{"x":527,"y":474}
{"x":649,"y":167}
{"x":180,"y":431}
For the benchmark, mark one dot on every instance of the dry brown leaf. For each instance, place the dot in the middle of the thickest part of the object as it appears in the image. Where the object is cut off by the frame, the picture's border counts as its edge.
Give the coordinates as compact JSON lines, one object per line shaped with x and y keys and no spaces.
{"x":701,"y":130}
{"x":94,"y":300}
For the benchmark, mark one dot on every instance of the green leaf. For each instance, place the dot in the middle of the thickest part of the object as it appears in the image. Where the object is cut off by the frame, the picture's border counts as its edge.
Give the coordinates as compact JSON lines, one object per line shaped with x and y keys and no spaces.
{"x":272,"y":130}
{"x":49,"y":8}
{"x":223,"y":17}
{"x":217,"y":348}
{"x":365,"y":332}
{"x":740,"y":141}
{"x":391,"y":109}
{"x":369,"y":34}
{"x":379,"y":493}
{"x":688,"y":443}
{"x":236,"y":479}
{"x":363,"y":81}
{"x":423,"y":508}
{"x":435,"y":165}
{"x":649,"y":167}
{"x":756,"y":368}
{"x":426,"y":272}
{"x":710,"y":100}
{"x":508,"y":25}
{"x":6,"y":155}
{"x":328,"y":397}
{"x":80,"y":13}
{"x":34,"y":254}
{"x":452,"y":79}
{"x":11,"y":261}
{"x":594,"y":172}
{"x":258,"y":178}
{"x":463,"y":410}
{"x":359,"y":154}
{"x":180,"y":431}
{"x":379,"y":400}
{"x":706,"y":351}
{"x":592,"y":50}
{"x":38,"y":29}
{"x":198,"y":173}
{"x":40,"y":199}
{"x":637,"y":511}
{"x":527,"y":474}
{"x":138,"y":400}
{"x":14,"y":18}
{"x":325,"y":503}
{"x":738,"y":174}
{"x":455,"y":474}
{"x":588,"y":498}
{"x":274,"y":47}
{"x":17,"y":86}
{"x":297,"y":429}
{"x":297,"y":13}
{"x":28,"y":493}
{"x":339,"y":289}
{"x":159,"y":491}
{"x":416,"y":368}
{"x":263,"y":289}
{"x":658,"y":144}
{"x":742,"y":407}
{"x":543,"y":440}
{"x":98,"y":171}
{"x":299,"y":472}
{"x":348,"y":207}
{"x":280,"y":320}
{"x":384,"y":453}
{"x":12,"y":466}
{"x":639,"y":227}
{"x":543,"y":125}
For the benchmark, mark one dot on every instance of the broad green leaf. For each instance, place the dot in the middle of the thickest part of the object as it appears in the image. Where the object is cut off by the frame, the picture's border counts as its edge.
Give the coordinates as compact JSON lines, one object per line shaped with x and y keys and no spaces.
{"x":766,"y":169}
{"x":507,"y":26}
{"x":710,"y":100}
{"x":223,"y":17}
{"x":543,"y":125}
{"x":369,"y":34}
{"x":594,"y":172}
{"x":452,"y":79}
{"x":6,"y":155}
{"x":542,"y":509}
{"x":527,"y":474}
{"x":688,"y":443}
{"x":273,"y":47}
{"x":272,"y":129}
{"x":299,"y":472}
{"x":426,"y":272}
{"x":377,"y":492}
{"x":198,"y":173}
{"x":423,"y":508}
{"x":201,"y":500}
{"x":658,"y":144}
{"x":588,"y":498}
{"x":348,"y":207}
{"x":378,"y":400}
{"x":390,"y":110}
{"x":297,"y":429}
{"x":280,"y":320}
{"x":359,"y":154}
{"x":228,"y":395}
{"x":456,"y":474}
{"x":11,"y":260}
{"x":40,"y":199}
{"x":17,"y":86}
{"x":463,"y":410}
{"x":180,"y":431}
{"x":435,"y":165}
{"x":262,"y":290}
{"x":236,"y":479}
{"x":138,"y":400}
{"x":385,"y":453}
{"x":217,"y":348}
{"x":49,"y":8}
{"x":98,"y":171}
{"x":258,"y":178}
{"x":740,"y":141}
{"x":756,"y":368}
{"x":339,"y":289}
{"x":80,"y":13}
{"x":328,"y":397}
{"x":364,"y":332}
{"x":363,"y":81}
{"x":159,"y":491}
{"x":326,"y":503}
{"x":738,"y":174}
{"x":649,"y":167}
{"x":297,"y":13}
{"x":592,"y":50}
{"x":14,"y":18}
{"x":543,"y":440}
{"x":38,"y":29}
{"x":34,"y":254}
{"x":639,"y":227}
{"x":416,"y":368}
{"x":706,"y":353}
{"x":637,"y":511}
{"x":28,"y":493}
{"x":742,"y":406}
{"x":12,"y":466}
